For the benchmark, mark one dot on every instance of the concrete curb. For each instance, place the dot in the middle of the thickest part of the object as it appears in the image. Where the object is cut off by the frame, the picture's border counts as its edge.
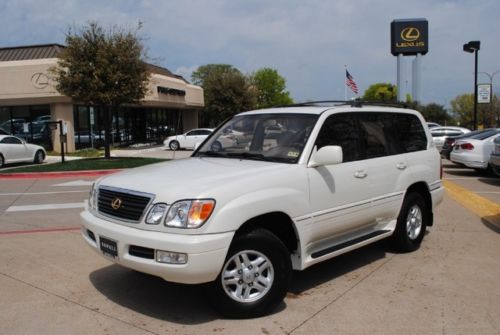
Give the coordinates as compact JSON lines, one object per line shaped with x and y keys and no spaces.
{"x":59,"y":174}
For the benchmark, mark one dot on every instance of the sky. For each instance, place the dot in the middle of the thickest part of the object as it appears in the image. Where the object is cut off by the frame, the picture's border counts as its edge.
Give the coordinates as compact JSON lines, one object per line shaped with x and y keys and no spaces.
{"x":307,"y":42}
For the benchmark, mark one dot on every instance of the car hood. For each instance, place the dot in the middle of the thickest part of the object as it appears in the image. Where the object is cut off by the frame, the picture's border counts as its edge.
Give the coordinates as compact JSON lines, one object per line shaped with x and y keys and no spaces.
{"x":196,"y":178}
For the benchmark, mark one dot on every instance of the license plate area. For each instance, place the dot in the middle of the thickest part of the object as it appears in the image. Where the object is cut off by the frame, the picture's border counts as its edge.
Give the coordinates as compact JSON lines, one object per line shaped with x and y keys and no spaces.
{"x":108,"y":247}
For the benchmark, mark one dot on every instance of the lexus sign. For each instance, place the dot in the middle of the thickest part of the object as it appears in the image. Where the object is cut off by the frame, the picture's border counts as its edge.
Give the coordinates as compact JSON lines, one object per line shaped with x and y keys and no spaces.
{"x":409,"y":37}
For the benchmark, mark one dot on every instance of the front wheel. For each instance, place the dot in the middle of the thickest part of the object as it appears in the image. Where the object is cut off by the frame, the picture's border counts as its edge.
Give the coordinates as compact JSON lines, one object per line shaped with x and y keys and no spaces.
{"x":412,"y":222}
{"x":39,"y":157}
{"x":174,"y":145}
{"x":254,"y":278}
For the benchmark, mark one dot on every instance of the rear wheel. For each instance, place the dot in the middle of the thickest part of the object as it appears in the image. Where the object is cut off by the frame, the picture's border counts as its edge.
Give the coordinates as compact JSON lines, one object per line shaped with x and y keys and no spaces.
{"x":412,"y":222}
{"x":254,"y":278}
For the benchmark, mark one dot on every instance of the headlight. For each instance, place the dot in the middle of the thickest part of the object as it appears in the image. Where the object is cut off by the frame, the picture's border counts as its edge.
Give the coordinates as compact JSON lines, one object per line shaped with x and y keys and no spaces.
{"x":189,"y":213}
{"x":156,"y":213}
{"x":93,"y":197}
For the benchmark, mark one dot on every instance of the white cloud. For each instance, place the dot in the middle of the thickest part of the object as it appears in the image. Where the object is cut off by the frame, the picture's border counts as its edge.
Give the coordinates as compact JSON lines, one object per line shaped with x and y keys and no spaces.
{"x":308,"y":42}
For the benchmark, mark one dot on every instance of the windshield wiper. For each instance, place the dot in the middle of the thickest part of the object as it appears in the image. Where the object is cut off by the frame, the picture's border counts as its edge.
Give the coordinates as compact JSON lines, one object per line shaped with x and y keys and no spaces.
{"x":249,"y":155}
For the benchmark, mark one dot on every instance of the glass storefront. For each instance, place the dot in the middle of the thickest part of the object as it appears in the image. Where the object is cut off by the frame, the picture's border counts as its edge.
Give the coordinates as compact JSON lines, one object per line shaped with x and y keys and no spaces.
{"x":28,"y":123}
{"x":129,"y":125}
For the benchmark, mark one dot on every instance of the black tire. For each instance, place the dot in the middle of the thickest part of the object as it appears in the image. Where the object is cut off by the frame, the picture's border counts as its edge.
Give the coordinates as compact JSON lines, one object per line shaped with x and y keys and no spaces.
{"x":216,"y":146}
{"x":412,"y":222}
{"x":494,"y":171}
{"x":260,"y":284}
{"x":174,"y":145}
{"x":2,"y":161}
{"x":39,"y":157}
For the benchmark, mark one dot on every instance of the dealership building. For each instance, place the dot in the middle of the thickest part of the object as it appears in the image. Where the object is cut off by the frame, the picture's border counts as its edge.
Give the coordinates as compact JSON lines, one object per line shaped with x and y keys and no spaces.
{"x":29,"y":102}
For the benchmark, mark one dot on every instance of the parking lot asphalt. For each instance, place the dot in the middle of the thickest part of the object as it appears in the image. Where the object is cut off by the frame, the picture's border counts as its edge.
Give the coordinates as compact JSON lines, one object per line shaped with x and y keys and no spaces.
{"x":52,"y":283}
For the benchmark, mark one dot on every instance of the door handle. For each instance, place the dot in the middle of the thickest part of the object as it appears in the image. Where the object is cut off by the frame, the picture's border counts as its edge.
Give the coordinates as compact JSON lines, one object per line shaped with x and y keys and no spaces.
{"x":401,"y":166}
{"x":360,"y":174}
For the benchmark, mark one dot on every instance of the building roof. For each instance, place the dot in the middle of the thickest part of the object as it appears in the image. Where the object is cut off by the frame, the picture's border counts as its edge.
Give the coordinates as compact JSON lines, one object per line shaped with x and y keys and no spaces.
{"x":41,"y":51}
{"x":44,"y":51}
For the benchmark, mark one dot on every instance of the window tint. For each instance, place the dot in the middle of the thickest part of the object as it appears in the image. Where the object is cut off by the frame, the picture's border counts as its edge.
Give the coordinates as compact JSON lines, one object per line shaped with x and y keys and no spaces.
{"x":204,"y":132}
{"x":454,"y":133}
{"x":11,"y":140}
{"x":341,"y":130}
{"x":408,"y":131}
{"x":371,"y":135}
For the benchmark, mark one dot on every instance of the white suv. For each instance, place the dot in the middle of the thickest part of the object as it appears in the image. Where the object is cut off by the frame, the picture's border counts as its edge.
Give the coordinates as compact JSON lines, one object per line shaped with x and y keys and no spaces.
{"x":299,"y":185}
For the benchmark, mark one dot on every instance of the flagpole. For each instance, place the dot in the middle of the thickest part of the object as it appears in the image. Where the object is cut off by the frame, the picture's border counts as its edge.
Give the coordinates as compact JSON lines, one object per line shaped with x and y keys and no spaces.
{"x":345,"y":84}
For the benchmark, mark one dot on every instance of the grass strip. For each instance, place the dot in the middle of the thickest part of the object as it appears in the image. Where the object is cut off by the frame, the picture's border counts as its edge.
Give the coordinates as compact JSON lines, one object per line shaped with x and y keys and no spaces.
{"x":90,"y":164}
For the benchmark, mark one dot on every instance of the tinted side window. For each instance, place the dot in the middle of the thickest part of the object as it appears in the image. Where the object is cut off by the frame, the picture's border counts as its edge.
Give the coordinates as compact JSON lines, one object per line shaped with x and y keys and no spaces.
{"x":373,"y":134}
{"x":409,"y":132}
{"x":11,"y":140}
{"x":341,"y":130}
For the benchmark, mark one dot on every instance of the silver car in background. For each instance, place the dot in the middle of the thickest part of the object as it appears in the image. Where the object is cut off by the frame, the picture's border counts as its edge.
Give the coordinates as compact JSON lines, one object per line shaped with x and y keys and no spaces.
{"x":439,"y":134}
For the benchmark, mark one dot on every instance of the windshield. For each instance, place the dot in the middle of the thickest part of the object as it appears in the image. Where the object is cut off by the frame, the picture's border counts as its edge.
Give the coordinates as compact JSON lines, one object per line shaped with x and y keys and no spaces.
{"x":267,"y":137}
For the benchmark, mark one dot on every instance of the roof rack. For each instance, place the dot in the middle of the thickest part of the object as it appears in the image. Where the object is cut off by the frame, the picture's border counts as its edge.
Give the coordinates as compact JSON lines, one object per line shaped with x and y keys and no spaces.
{"x":352,"y":103}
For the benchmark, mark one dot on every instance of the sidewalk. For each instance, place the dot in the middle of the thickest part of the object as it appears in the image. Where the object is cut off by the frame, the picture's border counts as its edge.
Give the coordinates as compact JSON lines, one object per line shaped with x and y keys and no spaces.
{"x":156,"y":152}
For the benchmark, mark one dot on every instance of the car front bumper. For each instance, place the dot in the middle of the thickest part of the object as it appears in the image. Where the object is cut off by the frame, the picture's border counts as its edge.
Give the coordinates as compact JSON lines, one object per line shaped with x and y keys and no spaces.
{"x":205,"y":253}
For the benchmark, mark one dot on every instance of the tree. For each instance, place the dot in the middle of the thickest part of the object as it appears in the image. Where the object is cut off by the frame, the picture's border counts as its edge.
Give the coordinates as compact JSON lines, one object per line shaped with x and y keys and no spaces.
{"x":226,"y":90}
{"x":102,"y":68}
{"x":435,"y":113}
{"x":487,"y":114}
{"x":270,"y":86}
{"x":381,"y":91}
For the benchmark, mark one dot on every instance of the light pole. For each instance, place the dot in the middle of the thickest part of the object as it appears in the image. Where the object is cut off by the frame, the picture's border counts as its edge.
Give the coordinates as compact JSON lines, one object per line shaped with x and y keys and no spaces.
{"x":491,"y":76}
{"x":473,"y":47}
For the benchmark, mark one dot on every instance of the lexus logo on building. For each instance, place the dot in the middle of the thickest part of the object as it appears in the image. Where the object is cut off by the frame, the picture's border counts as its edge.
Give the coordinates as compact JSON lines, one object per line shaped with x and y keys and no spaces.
{"x":116,"y":203}
{"x":40,"y":80}
{"x":410,"y":34}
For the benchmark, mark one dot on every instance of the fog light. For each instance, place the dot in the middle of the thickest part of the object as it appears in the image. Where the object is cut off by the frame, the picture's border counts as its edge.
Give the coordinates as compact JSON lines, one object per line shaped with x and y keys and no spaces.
{"x":171,"y":257}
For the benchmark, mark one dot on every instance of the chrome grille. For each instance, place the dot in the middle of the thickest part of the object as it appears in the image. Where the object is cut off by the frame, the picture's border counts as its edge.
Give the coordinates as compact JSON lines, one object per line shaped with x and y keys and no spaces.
{"x":122,"y":204}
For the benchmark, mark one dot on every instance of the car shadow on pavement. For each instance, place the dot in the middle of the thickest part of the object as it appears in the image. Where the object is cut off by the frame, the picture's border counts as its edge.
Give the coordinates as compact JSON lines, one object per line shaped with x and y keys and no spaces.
{"x":337,"y":267}
{"x":492,"y":222}
{"x":494,"y":181}
{"x":152,"y":296}
{"x":187,"y":304}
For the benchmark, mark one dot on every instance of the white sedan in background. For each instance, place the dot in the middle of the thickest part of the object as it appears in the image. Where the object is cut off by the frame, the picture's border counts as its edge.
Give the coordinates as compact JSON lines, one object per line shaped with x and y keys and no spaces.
{"x":16,"y":150}
{"x":474,"y":152}
{"x":187,"y":140}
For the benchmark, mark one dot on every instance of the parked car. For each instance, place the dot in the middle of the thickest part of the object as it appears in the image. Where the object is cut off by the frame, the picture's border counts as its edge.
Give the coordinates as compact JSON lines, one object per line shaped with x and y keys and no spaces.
{"x":495,"y":158}
{"x":327,"y":180}
{"x":474,"y":153}
{"x":433,"y":125}
{"x":187,"y":140}
{"x":450,"y":141}
{"x":13,"y":125}
{"x":439,"y":134}
{"x":15,"y":150}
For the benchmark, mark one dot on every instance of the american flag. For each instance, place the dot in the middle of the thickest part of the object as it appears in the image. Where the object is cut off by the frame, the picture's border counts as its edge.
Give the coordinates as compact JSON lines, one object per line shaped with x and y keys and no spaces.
{"x":349,"y":81}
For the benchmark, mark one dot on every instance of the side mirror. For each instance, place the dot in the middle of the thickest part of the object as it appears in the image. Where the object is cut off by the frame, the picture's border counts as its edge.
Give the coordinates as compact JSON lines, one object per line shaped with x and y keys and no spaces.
{"x":327,"y":155}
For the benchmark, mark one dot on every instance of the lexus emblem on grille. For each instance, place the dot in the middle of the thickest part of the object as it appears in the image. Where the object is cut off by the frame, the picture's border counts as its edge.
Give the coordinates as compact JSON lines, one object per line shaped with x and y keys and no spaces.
{"x":116,"y":203}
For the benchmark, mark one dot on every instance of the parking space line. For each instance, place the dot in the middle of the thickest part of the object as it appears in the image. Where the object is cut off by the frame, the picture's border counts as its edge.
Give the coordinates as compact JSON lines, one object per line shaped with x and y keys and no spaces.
{"x":42,"y":230}
{"x":484,"y":208}
{"x":43,"y":193}
{"x":46,"y":207}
